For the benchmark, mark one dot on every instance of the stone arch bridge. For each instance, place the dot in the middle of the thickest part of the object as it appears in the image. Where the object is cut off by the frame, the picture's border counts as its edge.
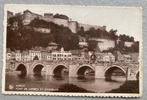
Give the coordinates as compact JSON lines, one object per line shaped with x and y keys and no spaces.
{"x":101,"y":70}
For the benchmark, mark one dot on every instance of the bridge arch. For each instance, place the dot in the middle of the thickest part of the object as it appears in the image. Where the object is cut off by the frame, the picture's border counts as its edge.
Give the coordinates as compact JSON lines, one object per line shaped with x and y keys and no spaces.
{"x":37,"y":69}
{"x":85,"y":69}
{"x":22,"y":68}
{"x":59,"y":69}
{"x":116,"y":70}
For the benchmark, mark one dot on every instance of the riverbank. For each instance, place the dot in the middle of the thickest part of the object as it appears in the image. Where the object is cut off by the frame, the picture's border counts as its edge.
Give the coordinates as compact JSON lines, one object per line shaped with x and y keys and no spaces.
{"x":127,"y":87}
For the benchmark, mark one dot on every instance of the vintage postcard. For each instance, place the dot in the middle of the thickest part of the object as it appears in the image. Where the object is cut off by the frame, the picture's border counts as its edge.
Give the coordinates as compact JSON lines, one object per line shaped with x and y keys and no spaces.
{"x":65,"y":50}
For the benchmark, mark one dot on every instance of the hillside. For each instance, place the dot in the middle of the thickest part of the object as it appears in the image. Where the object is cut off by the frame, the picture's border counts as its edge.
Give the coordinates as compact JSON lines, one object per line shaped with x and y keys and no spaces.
{"x":24,"y":37}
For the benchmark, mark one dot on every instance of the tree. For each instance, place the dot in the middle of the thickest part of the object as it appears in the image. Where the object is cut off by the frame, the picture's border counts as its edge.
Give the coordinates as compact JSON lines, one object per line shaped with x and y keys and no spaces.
{"x":92,"y":44}
{"x":127,"y":38}
{"x":18,"y":19}
{"x":112,"y":34}
{"x":81,"y":32}
{"x":74,"y":42}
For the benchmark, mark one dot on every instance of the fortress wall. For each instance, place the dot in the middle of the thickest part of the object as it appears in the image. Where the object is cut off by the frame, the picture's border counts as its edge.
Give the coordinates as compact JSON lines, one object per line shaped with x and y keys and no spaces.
{"x":87,"y":27}
{"x":48,"y":19}
{"x":105,"y":44}
{"x":28,"y":17}
{"x":59,"y":21}
{"x":128,"y":44}
{"x":73,"y":25}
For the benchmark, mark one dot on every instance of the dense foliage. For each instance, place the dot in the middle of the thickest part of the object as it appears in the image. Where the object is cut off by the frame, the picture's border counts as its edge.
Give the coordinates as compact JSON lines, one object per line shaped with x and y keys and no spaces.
{"x":26,"y":37}
{"x":98,"y":33}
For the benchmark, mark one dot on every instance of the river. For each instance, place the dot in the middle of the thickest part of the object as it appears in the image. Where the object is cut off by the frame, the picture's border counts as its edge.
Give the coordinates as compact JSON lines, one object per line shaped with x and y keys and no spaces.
{"x":48,"y":83}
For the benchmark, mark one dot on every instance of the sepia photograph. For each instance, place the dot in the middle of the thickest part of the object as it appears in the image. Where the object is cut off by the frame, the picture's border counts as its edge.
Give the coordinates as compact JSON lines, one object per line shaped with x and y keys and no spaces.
{"x":71,"y":50}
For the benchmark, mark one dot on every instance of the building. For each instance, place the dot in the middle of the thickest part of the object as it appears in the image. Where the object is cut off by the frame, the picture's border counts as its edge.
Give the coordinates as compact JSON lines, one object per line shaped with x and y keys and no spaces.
{"x":61,"y":55}
{"x":35,"y":55}
{"x":74,"y":26}
{"x":25,"y":56}
{"x":28,"y":16}
{"x":52,"y":46}
{"x":128,"y":44}
{"x":79,"y":55}
{"x":82,"y":42}
{"x":76,"y":52}
{"x":44,"y":55}
{"x":49,"y":57}
{"x":42,"y":30}
{"x":48,"y":17}
{"x":78,"y":58}
{"x":18,"y":55}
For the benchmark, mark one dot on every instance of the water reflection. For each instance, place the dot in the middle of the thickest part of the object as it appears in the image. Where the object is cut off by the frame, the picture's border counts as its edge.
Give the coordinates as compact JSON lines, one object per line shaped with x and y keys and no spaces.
{"x":58,"y":77}
{"x":22,"y":76}
{"x":44,"y":81}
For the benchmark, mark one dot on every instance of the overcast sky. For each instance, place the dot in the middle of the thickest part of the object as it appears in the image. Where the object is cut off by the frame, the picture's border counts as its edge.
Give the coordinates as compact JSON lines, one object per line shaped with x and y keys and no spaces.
{"x":127,"y":20}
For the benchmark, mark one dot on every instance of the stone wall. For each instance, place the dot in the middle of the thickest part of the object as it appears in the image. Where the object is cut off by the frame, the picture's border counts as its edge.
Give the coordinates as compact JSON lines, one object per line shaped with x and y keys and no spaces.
{"x":29,"y":16}
{"x":104,"y":44}
{"x":87,"y":26}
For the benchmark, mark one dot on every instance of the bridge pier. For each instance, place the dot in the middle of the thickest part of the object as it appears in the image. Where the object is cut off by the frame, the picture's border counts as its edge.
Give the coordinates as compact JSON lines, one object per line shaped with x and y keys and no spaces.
{"x":49,"y":70}
{"x":29,"y":69}
{"x":131,"y":75}
{"x":72,"y":71}
{"x":99,"y":72}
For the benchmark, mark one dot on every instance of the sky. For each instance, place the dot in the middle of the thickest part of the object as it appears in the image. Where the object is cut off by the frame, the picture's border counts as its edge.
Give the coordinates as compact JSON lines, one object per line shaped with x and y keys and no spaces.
{"x":127,"y":20}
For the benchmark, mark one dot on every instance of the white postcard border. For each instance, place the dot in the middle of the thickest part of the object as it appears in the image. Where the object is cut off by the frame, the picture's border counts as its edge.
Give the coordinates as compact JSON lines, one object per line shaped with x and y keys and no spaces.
{"x":126,"y":95}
